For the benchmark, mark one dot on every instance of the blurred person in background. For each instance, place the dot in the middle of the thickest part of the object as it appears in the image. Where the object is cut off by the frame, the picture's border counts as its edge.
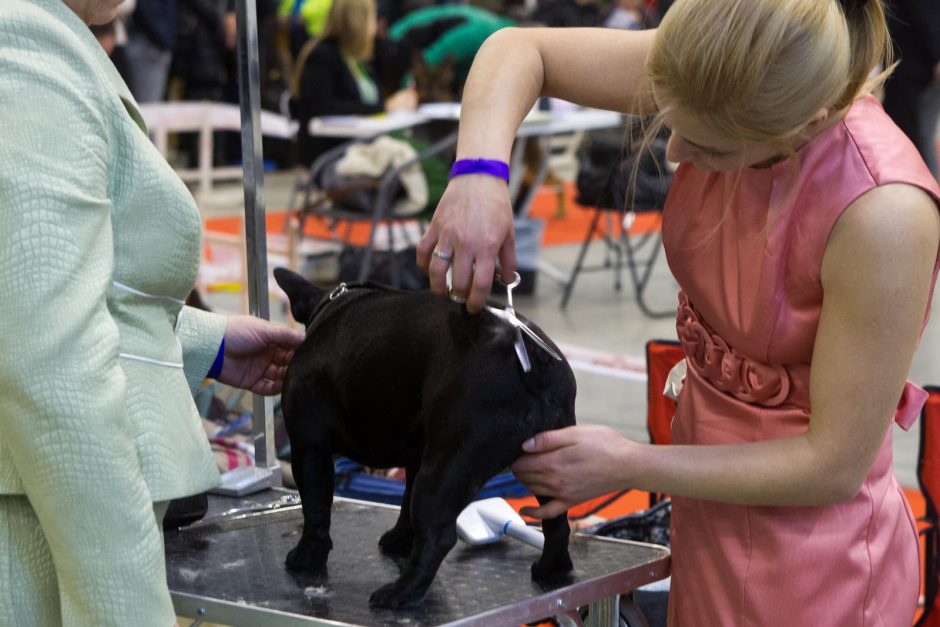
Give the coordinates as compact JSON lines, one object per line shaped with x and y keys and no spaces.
{"x":204,"y":55}
{"x":148,"y":52}
{"x":630,"y":14}
{"x":568,"y":13}
{"x":333,"y":75}
{"x":912,"y":93}
{"x":447,"y":35}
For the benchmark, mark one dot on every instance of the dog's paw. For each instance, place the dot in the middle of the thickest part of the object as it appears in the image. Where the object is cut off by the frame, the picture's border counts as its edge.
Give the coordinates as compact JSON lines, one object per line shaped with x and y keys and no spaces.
{"x":552,"y":570}
{"x":395,"y":597}
{"x":303,"y":558}
{"x":396,"y":542}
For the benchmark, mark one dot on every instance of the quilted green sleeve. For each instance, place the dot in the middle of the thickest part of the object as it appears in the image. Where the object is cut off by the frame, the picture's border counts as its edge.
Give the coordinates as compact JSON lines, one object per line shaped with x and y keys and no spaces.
{"x":200,"y":333}
{"x":62,"y":391}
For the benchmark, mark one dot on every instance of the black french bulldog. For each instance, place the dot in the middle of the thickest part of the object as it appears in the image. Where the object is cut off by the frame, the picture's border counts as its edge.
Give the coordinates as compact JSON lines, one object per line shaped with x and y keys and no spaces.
{"x":409,"y":379}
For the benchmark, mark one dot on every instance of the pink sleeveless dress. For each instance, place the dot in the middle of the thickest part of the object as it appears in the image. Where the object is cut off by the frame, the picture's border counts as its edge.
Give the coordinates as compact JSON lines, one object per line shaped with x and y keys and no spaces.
{"x":749,"y":309}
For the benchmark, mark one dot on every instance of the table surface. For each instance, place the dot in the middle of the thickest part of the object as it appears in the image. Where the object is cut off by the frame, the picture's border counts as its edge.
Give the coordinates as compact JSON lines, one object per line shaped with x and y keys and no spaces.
{"x":232,"y":567}
{"x":194,"y":115}
{"x":538,"y":123}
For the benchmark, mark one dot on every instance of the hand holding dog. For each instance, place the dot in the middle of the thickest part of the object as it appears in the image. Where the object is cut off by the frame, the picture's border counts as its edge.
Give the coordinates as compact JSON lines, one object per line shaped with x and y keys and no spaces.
{"x":571,"y":466}
{"x":257,"y":352}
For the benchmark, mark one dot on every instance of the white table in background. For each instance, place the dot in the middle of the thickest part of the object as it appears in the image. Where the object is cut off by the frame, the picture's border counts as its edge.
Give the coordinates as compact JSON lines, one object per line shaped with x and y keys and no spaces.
{"x":538,"y":126}
{"x":204,"y":118}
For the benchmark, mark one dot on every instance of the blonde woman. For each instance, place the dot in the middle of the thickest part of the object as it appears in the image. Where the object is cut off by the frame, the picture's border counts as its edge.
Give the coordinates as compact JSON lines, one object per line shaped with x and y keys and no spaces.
{"x":803,"y":229}
{"x":333,"y":76}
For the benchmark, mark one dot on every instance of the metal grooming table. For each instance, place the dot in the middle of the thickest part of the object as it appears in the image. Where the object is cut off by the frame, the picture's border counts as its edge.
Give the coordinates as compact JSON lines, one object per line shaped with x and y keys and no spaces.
{"x":229,"y":569}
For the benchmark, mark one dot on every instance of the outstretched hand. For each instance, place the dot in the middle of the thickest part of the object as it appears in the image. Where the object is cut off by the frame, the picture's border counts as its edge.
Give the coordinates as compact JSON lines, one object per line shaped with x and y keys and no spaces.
{"x":257,"y":352}
{"x":471,"y":228}
{"x":571,"y":466}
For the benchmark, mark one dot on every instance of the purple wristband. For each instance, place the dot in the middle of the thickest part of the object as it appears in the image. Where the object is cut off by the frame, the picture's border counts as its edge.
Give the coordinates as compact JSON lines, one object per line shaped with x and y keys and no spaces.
{"x":216,"y":368}
{"x":491,"y":167}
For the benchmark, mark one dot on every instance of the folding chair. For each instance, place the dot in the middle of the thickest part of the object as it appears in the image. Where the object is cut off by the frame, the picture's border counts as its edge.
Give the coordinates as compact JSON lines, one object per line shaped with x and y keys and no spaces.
{"x":928,"y":476}
{"x":332,"y":206}
{"x":661,"y":356}
{"x":602,"y":185}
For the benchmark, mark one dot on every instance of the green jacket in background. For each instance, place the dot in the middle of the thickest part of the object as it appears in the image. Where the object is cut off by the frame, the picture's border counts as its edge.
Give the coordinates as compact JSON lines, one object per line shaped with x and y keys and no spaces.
{"x":460,"y":29}
{"x":99,"y":247}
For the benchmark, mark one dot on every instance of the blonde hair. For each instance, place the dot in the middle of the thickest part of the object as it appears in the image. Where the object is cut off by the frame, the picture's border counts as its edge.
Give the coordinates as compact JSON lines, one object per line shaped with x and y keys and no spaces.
{"x":760,"y":70}
{"x":348,"y":23}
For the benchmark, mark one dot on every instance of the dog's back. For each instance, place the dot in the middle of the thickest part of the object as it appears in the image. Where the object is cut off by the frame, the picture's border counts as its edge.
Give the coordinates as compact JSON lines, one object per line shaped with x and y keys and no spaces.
{"x":388,"y":360}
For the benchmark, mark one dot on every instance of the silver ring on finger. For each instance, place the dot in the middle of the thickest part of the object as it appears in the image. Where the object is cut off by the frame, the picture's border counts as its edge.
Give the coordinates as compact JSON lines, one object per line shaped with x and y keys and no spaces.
{"x":440,"y":254}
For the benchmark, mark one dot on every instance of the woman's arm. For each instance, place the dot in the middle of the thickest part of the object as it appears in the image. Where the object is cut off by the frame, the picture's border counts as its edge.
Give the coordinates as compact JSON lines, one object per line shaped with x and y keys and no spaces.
{"x":595,"y":67}
{"x":876,"y":278}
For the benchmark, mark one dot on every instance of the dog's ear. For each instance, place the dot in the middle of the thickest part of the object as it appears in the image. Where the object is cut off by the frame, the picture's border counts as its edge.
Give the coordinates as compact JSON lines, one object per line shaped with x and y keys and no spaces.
{"x":303,"y":295}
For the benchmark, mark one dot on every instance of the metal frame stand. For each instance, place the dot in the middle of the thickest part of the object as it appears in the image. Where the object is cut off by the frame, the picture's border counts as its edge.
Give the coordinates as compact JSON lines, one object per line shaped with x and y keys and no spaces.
{"x":266,"y":471}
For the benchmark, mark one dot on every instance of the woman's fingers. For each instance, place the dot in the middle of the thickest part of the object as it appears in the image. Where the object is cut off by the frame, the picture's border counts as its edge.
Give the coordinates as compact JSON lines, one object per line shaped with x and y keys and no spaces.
{"x":472,"y":226}
{"x":552,"y":509}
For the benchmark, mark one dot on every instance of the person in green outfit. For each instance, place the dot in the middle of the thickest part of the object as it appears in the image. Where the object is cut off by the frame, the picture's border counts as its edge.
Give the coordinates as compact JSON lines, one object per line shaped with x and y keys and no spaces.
{"x":333,"y":75}
{"x":452,"y":30}
{"x":99,"y":357}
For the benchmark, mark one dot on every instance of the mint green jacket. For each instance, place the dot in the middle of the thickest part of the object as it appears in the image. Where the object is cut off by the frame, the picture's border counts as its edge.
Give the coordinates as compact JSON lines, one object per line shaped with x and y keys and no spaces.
{"x":99,"y":246}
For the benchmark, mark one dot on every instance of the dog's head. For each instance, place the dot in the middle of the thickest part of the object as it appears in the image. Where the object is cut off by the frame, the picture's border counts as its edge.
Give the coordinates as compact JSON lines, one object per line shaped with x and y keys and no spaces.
{"x":304,"y":296}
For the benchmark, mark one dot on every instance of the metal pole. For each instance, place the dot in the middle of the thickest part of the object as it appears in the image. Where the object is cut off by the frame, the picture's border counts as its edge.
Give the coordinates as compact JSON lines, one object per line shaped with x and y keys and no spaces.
{"x":249,"y":90}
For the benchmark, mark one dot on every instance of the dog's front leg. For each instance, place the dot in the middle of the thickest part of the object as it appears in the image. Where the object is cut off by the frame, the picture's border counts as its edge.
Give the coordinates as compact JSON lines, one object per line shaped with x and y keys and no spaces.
{"x":398,"y":540}
{"x":555,"y":563}
{"x":315,"y":483}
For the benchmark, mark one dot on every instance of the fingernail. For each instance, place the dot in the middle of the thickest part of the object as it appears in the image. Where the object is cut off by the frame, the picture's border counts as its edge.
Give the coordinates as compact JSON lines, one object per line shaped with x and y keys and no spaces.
{"x":528,"y":445}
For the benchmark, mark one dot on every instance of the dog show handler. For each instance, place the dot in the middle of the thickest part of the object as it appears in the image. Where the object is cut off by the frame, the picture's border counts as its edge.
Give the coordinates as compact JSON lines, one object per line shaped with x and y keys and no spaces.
{"x":803,"y":230}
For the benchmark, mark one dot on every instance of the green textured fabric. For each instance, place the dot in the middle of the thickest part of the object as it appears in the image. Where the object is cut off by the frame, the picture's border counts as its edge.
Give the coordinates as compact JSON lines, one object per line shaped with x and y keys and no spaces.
{"x":30,"y":598}
{"x":99,"y":246}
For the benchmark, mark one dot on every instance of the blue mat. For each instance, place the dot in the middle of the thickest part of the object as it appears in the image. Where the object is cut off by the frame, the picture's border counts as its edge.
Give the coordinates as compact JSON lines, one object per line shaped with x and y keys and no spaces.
{"x":353,"y":482}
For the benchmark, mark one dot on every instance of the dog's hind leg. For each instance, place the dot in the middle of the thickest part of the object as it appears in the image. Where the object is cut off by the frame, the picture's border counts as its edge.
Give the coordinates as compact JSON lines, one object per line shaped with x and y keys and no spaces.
{"x":314,"y":475}
{"x":555,"y":563}
{"x":441,"y":490}
{"x":399,"y":539}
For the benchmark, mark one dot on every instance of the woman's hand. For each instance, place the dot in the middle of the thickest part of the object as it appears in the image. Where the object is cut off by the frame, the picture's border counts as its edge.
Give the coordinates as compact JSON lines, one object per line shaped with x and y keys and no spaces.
{"x":257,"y":353}
{"x":402,"y":100}
{"x":571,"y":466}
{"x":473,"y":224}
